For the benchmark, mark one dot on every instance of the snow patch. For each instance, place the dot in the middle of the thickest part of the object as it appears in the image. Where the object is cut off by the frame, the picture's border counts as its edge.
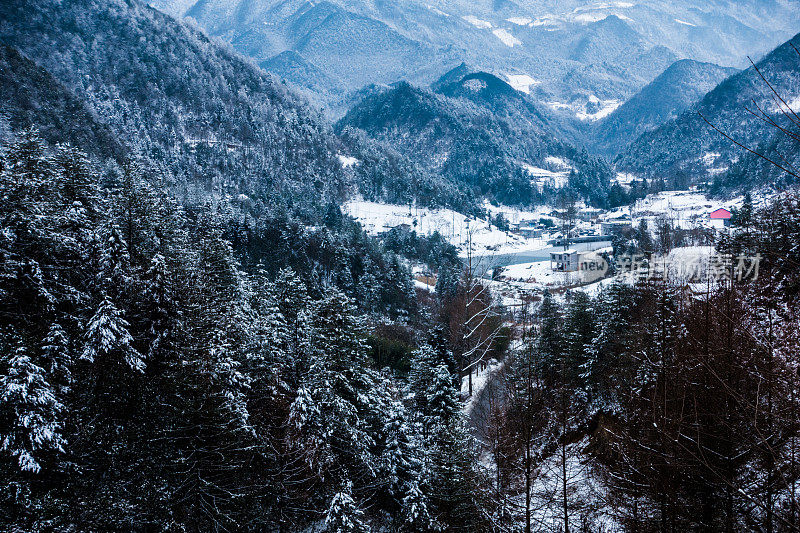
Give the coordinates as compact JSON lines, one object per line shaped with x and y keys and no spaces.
{"x":347,"y":161}
{"x":474,"y":85}
{"x":506,"y":37}
{"x":709,"y":158}
{"x":559,"y":162}
{"x":548,"y":22}
{"x":478,"y":23}
{"x":597,"y":109}
{"x":479,"y":381}
{"x":522,"y":82}
{"x":793,"y":103}
{"x":520,"y":21}
{"x":437,"y":11}
{"x":624,"y":178}
{"x":588,"y":18}
{"x":543,"y":176}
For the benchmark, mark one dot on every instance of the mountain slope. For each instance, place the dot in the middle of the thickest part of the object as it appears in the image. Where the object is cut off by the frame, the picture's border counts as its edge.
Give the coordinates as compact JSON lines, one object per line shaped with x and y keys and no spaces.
{"x":666,"y":97}
{"x":32,"y":98}
{"x":574,"y":49}
{"x":688,"y":146}
{"x":213,"y":122}
{"x":304,"y":76}
{"x":473,"y":146}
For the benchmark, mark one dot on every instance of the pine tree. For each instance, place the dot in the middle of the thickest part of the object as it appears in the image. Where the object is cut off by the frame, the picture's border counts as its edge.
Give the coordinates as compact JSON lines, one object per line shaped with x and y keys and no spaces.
{"x":442,"y":397}
{"x":57,"y":357}
{"x":604,"y":365}
{"x":415,"y":513}
{"x":549,"y":344}
{"x":29,"y":409}
{"x":294,"y":305}
{"x":400,"y":463}
{"x":108,"y":340}
{"x":344,"y":516}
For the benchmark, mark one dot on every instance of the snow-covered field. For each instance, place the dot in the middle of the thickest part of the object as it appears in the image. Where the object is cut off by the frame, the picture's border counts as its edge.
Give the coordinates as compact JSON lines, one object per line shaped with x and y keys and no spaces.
{"x":478,"y":23}
{"x":460,"y":230}
{"x":686,"y":209}
{"x":522,"y":82}
{"x":505,"y":36}
{"x":590,"y":110}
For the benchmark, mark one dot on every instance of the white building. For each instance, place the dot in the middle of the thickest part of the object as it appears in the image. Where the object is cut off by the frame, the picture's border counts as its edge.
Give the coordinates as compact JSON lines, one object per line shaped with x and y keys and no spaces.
{"x":564,"y":261}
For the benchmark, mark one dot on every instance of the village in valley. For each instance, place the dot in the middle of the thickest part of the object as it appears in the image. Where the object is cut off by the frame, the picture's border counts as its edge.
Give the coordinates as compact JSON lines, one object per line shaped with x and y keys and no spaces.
{"x":524,"y":252}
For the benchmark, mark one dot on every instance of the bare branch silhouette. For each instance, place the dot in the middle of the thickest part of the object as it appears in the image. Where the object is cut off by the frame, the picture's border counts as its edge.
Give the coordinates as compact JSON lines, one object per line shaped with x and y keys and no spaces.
{"x":740,"y":145}
{"x":796,"y":119}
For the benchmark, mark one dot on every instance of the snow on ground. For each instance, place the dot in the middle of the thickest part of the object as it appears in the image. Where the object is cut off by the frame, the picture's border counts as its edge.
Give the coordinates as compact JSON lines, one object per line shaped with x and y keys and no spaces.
{"x":588,"y":18}
{"x":347,"y":161}
{"x":526,"y":277}
{"x":625,"y":179}
{"x":548,"y":22}
{"x":437,"y":11}
{"x":478,"y":23}
{"x":516,"y":215}
{"x":506,"y":37}
{"x":709,"y":158}
{"x":686,"y":263}
{"x":479,"y":380}
{"x":686,"y":209}
{"x":538,"y":273}
{"x":586,"y":494}
{"x":543,"y":176}
{"x":522,"y":82}
{"x":520,"y":21}
{"x":593,"y":109}
{"x":558,"y":106}
{"x":458,"y":229}
{"x":597,"y":109}
{"x":559,"y":162}
{"x":779,"y":107}
{"x":475,"y":85}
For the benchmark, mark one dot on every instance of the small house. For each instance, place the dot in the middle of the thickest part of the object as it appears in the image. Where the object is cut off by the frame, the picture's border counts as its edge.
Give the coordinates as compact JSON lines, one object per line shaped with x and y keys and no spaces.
{"x":721,"y":218}
{"x":529,"y":232}
{"x":614,"y":227}
{"x":564,"y":261}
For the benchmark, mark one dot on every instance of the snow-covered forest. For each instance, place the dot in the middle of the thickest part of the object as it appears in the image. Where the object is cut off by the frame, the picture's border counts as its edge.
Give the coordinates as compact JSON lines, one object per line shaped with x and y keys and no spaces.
{"x":448,"y":307}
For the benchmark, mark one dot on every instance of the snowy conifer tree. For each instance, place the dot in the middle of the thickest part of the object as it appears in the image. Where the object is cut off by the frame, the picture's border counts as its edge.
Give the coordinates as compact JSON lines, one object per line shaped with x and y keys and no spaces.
{"x":344,"y":516}
{"x":29,"y":410}
{"x":107,"y":337}
{"x":57,"y":358}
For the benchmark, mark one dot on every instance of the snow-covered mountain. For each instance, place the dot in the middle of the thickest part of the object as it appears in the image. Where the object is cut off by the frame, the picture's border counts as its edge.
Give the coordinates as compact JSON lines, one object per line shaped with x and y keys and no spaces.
{"x":688,"y":146}
{"x":482,"y":136}
{"x":663,"y":99}
{"x":576,"y":51}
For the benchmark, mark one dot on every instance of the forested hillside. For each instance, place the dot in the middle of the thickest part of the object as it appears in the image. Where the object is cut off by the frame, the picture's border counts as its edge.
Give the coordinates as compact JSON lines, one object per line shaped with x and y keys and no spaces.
{"x":196,"y":335}
{"x":689,"y":146}
{"x":206,"y":119}
{"x":148,"y":382}
{"x":34,"y":98}
{"x":481,"y":135}
{"x":669,"y":95}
